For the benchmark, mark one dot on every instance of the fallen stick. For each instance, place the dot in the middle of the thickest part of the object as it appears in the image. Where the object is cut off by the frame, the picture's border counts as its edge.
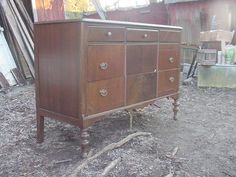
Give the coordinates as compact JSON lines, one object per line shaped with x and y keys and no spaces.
{"x":63,"y":161}
{"x":111,"y":166}
{"x":170,"y":175}
{"x":130,"y":120}
{"x":105,"y":149}
{"x":172,"y":155}
{"x":175,"y":151}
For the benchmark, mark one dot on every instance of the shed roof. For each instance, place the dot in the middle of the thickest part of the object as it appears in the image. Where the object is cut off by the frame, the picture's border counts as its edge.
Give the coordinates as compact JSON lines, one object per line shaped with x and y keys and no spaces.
{"x":178,"y":1}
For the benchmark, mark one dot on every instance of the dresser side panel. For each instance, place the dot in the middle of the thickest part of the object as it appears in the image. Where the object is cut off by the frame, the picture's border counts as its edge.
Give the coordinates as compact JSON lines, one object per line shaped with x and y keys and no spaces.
{"x":58,"y":67}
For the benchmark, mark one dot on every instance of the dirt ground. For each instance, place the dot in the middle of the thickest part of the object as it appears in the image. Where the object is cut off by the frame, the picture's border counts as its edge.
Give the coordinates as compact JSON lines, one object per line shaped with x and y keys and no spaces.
{"x":205,"y":135}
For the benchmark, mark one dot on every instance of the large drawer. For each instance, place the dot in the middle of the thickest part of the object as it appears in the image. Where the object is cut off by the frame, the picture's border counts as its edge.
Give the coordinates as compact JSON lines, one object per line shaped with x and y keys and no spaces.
{"x":105,"y":61}
{"x":105,"y":95}
{"x":141,"y":87}
{"x":170,"y":36}
{"x":169,"y":56}
{"x":142,"y":35}
{"x":141,"y":59}
{"x":105,"y":34}
{"x":168,"y":82}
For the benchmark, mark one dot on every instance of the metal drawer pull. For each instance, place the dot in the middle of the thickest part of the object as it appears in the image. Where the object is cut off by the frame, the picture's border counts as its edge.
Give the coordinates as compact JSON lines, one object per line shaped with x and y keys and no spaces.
{"x":172,"y":79}
{"x":145,"y":35}
{"x":109,"y":34}
{"x":103,"y":92}
{"x":171,"y":60}
{"x":104,"y":66}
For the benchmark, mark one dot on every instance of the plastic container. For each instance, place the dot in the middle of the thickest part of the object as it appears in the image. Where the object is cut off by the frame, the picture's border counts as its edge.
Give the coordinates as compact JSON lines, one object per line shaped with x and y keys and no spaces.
{"x":229,"y":54}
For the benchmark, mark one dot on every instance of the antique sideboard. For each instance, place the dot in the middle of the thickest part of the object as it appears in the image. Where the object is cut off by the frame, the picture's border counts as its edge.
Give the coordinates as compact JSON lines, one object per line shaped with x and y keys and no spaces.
{"x":88,"y":68}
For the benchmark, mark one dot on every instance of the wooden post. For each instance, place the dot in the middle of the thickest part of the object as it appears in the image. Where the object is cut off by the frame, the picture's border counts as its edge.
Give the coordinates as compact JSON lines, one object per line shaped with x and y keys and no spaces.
{"x":4,"y":83}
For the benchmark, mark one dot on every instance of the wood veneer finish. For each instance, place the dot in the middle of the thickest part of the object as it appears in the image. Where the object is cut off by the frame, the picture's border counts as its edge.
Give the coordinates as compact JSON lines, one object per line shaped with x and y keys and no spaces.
{"x":105,"y":61}
{"x":105,"y":95}
{"x":86,"y":69}
{"x":141,"y":58}
{"x":141,"y":87}
{"x":142,"y":35}
{"x":168,"y":82}
{"x":169,"y":56}
{"x":101,"y":34}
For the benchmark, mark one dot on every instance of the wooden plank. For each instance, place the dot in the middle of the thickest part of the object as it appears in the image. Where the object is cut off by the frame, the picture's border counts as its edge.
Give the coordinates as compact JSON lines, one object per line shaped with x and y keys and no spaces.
{"x":24,"y":32}
{"x":18,"y":76}
{"x":3,"y":82}
{"x":16,"y":32}
{"x":25,"y":16}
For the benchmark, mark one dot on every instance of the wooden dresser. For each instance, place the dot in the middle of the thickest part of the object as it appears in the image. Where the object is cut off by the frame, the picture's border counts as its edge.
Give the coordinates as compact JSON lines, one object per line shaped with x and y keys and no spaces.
{"x":86,"y":69}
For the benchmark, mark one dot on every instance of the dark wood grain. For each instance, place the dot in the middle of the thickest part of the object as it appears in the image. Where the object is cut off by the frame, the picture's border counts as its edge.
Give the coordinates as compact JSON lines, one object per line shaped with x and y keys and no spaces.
{"x":105,"y":33}
{"x":71,"y":85}
{"x":58,"y":67}
{"x":166,"y":85}
{"x":142,"y":35}
{"x":141,"y":59}
{"x":170,"y":36}
{"x":141,"y":87}
{"x":105,"y":61}
{"x":115,"y":95}
{"x":169,"y":56}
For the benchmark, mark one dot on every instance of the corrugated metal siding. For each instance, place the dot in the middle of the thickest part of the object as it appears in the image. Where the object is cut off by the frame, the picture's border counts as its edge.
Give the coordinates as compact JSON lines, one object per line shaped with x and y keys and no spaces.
{"x":195,"y":17}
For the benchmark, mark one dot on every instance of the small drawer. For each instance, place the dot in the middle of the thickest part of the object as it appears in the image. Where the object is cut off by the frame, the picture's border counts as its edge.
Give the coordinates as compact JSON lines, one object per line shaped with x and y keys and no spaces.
{"x":170,"y":36}
{"x":168,"y":82}
{"x":105,"y":34}
{"x":142,"y":35}
{"x":141,"y":59}
{"x":105,"y":95}
{"x":105,"y":61}
{"x":169,"y":56}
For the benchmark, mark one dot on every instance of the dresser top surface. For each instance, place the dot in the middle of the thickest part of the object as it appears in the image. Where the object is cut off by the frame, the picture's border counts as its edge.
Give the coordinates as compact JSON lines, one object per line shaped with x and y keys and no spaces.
{"x":112,"y":22}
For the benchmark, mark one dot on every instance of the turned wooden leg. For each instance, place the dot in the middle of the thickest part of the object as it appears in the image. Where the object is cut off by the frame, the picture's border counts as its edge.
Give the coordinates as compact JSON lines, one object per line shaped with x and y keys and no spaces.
{"x":84,"y":142}
{"x":176,"y":107}
{"x":40,"y":129}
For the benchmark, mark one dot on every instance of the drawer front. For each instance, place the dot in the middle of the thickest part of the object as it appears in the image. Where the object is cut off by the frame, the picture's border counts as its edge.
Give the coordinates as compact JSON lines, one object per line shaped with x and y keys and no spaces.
{"x":105,"y":34}
{"x":105,"y":61}
{"x":168,"y":82}
{"x":141,"y":87}
{"x":134,"y":35}
{"x":169,"y":56}
{"x":170,"y":36}
{"x":105,"y":95}
{"x":141,"y":59}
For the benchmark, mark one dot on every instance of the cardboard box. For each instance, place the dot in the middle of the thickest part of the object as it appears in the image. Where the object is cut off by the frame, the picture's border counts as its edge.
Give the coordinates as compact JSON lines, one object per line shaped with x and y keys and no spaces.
{"x":216,"y":35}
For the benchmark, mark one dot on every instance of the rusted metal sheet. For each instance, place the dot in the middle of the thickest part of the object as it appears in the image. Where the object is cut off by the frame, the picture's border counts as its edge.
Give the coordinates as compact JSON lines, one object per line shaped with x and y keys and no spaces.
{"x":48,"y":10}
{"x":51,"y":10}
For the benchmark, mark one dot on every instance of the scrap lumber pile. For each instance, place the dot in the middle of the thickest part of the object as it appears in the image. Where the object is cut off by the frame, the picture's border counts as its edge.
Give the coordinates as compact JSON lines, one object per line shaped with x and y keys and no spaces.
{"x":18,"y":31}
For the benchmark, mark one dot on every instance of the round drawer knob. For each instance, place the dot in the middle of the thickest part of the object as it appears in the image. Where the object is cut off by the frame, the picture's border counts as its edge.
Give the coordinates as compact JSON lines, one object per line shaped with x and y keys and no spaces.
{"x":109,"y":34}
{"x":145,"y":35}
{"x":171,"y":79}
{"x":103,"y":92}
{"x":103,"y":66}
{"x":171,"y":60}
